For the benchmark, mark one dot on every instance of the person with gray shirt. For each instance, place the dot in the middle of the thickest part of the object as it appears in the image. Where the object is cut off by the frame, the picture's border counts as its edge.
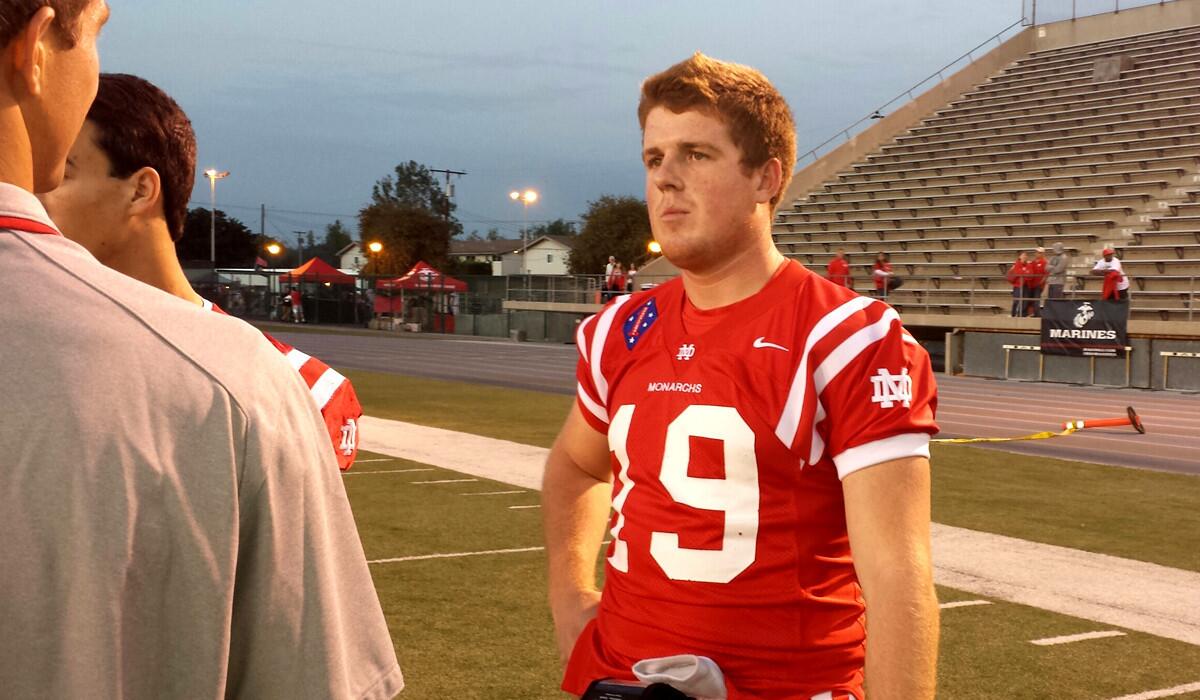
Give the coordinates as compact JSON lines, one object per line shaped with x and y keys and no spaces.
{"x":174,"y":522}
{"x":1056,"y":272}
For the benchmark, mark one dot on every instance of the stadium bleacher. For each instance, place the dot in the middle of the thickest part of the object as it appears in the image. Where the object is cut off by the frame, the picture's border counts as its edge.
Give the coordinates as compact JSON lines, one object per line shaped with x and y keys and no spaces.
{"x":1041,"y":152}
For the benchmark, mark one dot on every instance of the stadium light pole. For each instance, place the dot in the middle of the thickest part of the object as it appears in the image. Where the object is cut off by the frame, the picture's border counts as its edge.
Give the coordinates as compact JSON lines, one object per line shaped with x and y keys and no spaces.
{"x":213,"y":175}
{"x":273,"y":249}
{"x":526,"y":198}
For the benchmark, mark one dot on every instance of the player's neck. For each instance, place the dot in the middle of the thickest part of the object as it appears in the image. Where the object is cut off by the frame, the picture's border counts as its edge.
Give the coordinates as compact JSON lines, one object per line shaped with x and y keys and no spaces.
{"x":153,"y":261}
{"x":737,"y":278}
{"x":16,"y":154}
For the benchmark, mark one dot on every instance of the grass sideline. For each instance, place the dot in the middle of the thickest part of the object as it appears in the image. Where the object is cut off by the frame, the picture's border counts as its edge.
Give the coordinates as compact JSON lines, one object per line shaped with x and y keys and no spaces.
{"x":478,"y":627}
{"x":1132,"y":513}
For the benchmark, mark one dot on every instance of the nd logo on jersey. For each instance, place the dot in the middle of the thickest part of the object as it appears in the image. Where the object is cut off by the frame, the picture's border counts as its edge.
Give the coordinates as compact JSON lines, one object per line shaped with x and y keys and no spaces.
{"x":891,"y":388}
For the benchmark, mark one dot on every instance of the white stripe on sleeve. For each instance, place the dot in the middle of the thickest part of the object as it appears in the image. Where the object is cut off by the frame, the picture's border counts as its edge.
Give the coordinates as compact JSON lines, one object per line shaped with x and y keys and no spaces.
{"x":297,"y":359}
{"x":602,"y":328}
{"x":837,"y":360}
{"x":593,"y":408}
{"x":581,"y":337}
{"x":323,"y":390}
{"x":793,"y":408}
{"x":880,"y":451}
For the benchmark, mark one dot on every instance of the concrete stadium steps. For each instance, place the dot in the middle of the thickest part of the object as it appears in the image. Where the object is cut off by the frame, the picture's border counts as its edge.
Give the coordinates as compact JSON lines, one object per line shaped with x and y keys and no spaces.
{"x":1034,"y":155}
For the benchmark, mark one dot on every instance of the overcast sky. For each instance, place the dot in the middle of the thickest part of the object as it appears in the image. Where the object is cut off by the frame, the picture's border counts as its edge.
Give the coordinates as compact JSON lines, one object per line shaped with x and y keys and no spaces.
{"x":309,"y":103}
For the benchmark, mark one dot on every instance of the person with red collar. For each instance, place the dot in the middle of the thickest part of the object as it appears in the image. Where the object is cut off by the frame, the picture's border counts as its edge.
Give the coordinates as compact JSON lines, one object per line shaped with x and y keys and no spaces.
{"x":885,"y":279}
{"x":838,"y":269}
{"x":759,"y":434}
{"x":174,"y":522}
{"x":1018,"y":276}
{"x":1035,"y":281}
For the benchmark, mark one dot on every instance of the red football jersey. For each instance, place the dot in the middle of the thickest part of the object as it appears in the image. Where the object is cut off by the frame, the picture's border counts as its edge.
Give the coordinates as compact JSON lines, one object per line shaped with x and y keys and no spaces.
{"x":333,"y":393}
{"x":728,"y":445}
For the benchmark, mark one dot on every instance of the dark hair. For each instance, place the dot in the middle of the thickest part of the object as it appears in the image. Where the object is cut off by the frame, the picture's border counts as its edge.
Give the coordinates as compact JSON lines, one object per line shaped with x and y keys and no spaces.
{"x":140,"y":126}
{"x":15,"y":16}
{"x":758,"y":117}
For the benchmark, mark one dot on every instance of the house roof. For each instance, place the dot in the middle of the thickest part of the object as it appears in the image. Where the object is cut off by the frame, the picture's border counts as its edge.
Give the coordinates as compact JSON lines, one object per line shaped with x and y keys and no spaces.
{"x":343,"y":251}
{"x":567,"y":241}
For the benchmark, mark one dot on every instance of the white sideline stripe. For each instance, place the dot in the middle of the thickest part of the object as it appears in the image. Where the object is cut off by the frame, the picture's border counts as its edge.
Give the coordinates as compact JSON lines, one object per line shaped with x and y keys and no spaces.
{"x":381,"y":459}
{"x":456,"y":555}
{"x":1068,"y":638}
{"x":492,"y":493}
{"x":388,"y":471}
{"x":1164,"y":693}
{"x":963,"y":604}
{"x":1059,"y":579}
{"x":444,"y":481}
{"x":522,"y":507}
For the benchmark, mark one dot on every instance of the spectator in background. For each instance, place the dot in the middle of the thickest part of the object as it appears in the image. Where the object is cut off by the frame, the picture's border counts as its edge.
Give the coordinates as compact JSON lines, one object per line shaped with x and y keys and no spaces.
{"x":838,"y":269}
{"x":617,"y":281}
{"x":1116,"y":284}
{"x":1035,"y":282}
{"x":297,"y":302}
{"x":1017,"y":275}
{"x":606,"y":283}
{"x":885,"y":279}
{"x":630,"y":287}
{"x":1057,"y":272}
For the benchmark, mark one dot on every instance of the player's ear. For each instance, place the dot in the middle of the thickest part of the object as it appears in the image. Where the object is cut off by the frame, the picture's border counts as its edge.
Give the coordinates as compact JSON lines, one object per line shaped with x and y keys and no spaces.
{"x":770,"y":177}
{"x":145,"y":196}
{"x":27,"y":53}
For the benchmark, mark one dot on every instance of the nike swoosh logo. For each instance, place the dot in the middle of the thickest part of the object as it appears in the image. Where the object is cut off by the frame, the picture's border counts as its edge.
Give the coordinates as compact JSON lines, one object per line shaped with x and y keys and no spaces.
{"x":761,"y":342}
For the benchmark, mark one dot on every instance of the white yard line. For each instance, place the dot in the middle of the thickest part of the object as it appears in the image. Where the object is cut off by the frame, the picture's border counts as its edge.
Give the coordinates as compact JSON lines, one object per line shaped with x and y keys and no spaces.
{"x":1164,"y":693}
{"x":387,"y":471}
{"x":1096,"y":587}
{"x":455,"y":555}
{"x":1069,"y":638}
{"x":445,"y":481}
{"x":381,"y":459}
{"x":963,"y":604}
{"x":494,"y":493}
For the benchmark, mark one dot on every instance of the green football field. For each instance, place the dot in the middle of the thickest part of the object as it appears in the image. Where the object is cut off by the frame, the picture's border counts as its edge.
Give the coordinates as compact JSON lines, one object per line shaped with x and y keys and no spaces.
{"x":458,"y":565}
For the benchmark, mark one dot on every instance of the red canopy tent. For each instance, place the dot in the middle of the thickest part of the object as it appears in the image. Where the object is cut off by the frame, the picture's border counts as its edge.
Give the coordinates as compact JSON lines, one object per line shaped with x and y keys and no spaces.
{"x":316,"y":270}
{"x":423,"y":278}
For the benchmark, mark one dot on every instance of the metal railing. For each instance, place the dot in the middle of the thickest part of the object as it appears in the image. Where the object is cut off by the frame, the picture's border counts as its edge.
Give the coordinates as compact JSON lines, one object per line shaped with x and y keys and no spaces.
{"x":1036,"y":12}
{"x":847,"y":133}
{"x":928,"y":293}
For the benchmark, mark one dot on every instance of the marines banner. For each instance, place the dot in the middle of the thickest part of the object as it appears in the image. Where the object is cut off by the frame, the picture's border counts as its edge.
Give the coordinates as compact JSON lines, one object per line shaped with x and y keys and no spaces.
{"x":1085,"y":328}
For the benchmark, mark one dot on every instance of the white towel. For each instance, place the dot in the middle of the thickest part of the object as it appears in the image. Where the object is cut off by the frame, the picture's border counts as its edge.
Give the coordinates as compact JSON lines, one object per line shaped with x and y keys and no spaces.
{"x":698,"y":676}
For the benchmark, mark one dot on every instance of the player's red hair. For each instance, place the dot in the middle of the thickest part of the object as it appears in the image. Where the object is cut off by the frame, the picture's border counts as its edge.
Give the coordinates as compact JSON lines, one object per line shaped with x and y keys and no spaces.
{"x":759,"y":119}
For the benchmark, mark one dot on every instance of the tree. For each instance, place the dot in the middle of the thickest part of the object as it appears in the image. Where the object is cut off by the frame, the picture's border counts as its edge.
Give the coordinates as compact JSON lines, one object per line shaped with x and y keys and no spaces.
{"x":412,"y":217}
{"x":337,"y":236}
{"x":617,"y":226}
{"x":558,"y":227}
{"x":236,"y":245}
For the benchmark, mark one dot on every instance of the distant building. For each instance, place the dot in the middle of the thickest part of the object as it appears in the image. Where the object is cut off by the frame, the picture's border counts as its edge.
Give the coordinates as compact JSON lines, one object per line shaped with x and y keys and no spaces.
{"x":351,"y":257}
{"x":546,"y":255}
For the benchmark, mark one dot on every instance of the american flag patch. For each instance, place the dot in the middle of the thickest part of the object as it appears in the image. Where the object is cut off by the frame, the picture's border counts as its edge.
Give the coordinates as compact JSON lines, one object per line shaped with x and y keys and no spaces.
{"x":638,"y":322}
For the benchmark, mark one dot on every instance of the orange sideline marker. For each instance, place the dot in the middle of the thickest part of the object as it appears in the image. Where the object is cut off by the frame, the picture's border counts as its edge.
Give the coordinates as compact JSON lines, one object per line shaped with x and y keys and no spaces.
{"x":1085,"y":423}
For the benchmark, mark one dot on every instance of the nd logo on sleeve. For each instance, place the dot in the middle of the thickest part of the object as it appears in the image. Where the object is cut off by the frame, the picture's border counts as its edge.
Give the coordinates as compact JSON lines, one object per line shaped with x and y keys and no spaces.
{"x":890,"y":389}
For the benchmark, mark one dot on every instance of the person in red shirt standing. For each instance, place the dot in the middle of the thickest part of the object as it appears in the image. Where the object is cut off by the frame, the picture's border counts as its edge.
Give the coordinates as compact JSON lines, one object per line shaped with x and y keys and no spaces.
{"x":1018,"y":276}
{"x":750,"y":424}
{"x":133,"y":129}
{"x":297,"y":302}
{"x":839,"y":269}
{"x":1035,"y":282}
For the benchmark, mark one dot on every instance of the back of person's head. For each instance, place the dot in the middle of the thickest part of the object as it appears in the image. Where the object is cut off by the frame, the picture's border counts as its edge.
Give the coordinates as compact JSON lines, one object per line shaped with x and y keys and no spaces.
{"x":15,"y":15}
{"x":140,"y":126}
{"x":758,"y":117}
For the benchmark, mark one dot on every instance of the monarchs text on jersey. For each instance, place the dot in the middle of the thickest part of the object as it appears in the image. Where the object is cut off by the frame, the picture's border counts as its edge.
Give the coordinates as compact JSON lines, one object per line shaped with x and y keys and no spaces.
{"x":730,"y":431}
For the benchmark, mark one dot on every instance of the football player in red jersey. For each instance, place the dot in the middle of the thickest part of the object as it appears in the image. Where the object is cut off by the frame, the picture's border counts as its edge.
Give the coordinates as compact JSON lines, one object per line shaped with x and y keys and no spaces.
{"x":124,"y":198}
{"x":749,"y":424}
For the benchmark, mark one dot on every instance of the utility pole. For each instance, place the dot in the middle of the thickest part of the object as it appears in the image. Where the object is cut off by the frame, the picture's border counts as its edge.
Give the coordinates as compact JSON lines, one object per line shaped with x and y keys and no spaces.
{"x":262,"y":221}
{"x":449,"y":186}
